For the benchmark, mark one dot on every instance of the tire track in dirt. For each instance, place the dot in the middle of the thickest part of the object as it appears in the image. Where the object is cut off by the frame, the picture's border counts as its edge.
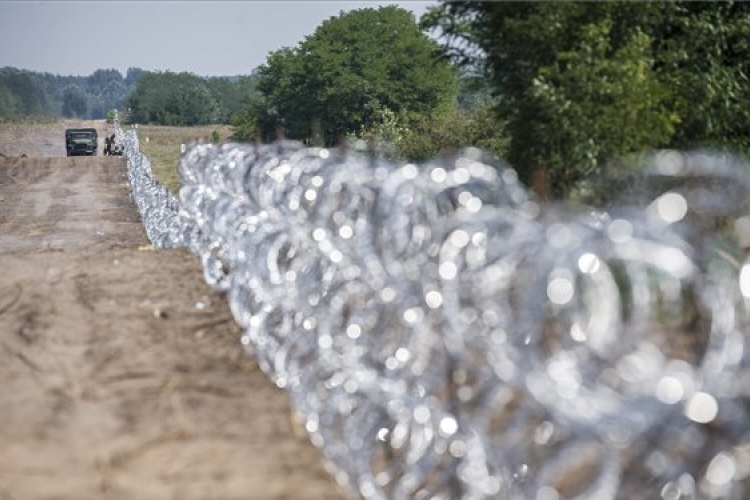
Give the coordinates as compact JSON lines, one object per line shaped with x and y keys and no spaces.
{"x":50,"y":204}
{"x":121,"y":376}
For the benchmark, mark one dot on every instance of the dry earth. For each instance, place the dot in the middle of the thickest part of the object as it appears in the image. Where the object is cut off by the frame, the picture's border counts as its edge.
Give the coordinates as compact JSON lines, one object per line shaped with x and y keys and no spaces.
{"x":121,"y":374}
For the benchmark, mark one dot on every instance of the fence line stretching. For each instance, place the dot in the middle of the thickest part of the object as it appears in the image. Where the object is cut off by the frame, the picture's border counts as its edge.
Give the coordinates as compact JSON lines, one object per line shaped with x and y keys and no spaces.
{"x":442,"y":334}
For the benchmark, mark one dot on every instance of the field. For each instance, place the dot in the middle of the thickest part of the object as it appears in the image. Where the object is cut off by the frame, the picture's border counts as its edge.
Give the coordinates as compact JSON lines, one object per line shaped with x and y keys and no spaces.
{"x":162,"y":146}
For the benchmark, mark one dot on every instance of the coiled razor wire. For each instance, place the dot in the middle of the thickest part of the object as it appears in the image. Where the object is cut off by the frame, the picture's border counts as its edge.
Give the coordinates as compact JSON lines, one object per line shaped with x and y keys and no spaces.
{"x":443,"y":335}
{"x":157,"y":206}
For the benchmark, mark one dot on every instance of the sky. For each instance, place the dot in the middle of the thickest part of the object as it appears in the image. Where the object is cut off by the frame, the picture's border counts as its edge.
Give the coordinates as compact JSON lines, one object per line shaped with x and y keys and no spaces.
{"x":208,"y":38}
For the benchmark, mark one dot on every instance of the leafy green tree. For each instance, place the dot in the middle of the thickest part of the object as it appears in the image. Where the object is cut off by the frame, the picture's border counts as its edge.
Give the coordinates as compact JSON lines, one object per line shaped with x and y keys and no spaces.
{"x":8,"y":105}
{"x":172,"y":99}
{"x":337,"y":79}
{"x":228,"y":93}
{"x":602,"y":105}
{"x":446,"y":129}
{"x":243,"y":118}
{"x":575,"y":81}
{"x":276,"y":106}
{"x":132,"y":75}
{"x":75,"y":103}
{"x":704,"y":58}
{"x":29,"y":97}
{"x":580,"y":83}
{"x":106,"y":89}
{"x":191,"y":105}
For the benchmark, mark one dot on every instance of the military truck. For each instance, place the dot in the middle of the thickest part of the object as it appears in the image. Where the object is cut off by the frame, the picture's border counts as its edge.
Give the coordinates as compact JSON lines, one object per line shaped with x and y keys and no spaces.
{"x":81,"y":141}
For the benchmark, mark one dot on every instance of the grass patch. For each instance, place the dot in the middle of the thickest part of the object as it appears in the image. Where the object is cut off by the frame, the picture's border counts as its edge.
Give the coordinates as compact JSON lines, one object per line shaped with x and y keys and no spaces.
{"x":162,"y":146}
{"x":29,"y":120}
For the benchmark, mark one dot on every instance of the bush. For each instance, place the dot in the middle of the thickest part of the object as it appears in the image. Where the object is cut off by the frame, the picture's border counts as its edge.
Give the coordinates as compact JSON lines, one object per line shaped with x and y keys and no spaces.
{"x":420,"y":137}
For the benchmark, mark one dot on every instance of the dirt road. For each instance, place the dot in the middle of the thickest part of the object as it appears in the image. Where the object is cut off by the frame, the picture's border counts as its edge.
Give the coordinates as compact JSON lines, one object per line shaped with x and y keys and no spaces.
{"x":121,"y":374}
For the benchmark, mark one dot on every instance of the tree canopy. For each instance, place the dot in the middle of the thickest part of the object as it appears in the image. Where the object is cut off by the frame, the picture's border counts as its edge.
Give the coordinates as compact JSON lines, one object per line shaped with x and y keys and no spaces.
{"x":583,"y":82}
{"x":162,"y":98}
{"x":25,"y":96}
{"x":340,"y":78}
{"x":167,"y":98}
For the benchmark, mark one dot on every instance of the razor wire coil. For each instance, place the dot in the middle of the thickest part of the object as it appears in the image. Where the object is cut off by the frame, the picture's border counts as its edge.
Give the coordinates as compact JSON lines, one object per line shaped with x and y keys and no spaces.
{"x":443,"y":334}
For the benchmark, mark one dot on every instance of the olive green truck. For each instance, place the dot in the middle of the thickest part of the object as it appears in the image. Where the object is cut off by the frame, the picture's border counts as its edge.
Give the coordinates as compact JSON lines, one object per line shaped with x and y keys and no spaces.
{"x":81,"y":141}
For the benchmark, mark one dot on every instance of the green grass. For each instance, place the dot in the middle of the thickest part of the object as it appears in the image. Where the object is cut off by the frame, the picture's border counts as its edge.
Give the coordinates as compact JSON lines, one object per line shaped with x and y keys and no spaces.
{"x":162,"y":147}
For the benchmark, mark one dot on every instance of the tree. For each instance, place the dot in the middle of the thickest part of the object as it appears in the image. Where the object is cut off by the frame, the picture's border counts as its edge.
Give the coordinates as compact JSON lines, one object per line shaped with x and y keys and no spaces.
{"x":704,"y":57}
{"x":352,"y":66}
{"x":26,"y":93}
{"x":444,"y":130}
{"x":172,"y":99}
{"x":8,"y":105}
{"x":599,"y":104}
{"x":106,"y":89}
{"x":575,"y":81}
{"x":75,"y":103}
{"x":186,"y":99}
{"x":228,"y":92}
{"x":583,"y":83}
{"x":29,"y":97}
{"x":132,"y":75}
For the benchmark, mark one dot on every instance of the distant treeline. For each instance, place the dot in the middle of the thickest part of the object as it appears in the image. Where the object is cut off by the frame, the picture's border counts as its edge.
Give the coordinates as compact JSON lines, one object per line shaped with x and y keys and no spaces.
{"x":30,"y":93}
{"x":153,"y":97}
{"x":167,"y":98}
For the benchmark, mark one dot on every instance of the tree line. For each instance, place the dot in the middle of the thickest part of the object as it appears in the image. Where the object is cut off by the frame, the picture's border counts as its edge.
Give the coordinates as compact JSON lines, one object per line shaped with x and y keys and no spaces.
{"x":557,"y":88}
{"x":368,"y":74}
{"x":30,"y":93}
{"x":153,"y":97}
{"x":185,"y":99}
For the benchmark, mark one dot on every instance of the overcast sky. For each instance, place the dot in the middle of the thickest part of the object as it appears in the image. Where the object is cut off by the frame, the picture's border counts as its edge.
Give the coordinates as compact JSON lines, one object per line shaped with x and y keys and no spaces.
{"x":209,"y":38}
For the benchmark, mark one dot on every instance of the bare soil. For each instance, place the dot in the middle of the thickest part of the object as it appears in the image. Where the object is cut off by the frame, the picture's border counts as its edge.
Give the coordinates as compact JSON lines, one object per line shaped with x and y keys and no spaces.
{"x":121,"y":373}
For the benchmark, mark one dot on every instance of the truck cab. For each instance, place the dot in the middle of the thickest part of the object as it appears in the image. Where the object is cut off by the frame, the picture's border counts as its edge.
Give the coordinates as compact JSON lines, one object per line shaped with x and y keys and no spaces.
{"x":81,"y":141}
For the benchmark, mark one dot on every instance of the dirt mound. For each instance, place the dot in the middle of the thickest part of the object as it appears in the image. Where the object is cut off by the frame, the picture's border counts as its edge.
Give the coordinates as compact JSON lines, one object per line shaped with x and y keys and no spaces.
{"x":121,"y":374}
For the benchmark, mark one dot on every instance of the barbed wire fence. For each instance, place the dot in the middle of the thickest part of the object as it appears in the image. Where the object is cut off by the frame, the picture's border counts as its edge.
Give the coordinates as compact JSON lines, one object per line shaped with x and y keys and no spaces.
{"x":442,"y":334}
